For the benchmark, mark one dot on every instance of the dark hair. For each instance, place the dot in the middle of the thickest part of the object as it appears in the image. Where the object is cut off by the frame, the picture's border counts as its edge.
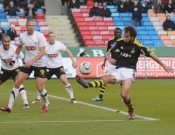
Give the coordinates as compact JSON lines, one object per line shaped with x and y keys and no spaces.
{"x":131,"y":30}
{"x":118,"y":29}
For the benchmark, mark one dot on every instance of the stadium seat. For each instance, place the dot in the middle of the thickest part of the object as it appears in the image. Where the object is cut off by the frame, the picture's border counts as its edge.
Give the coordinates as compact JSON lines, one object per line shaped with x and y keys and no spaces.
{"x":113,"y":10}
{"x":148,"y":43}
{"x":107,"y":19}
{"x":83,"y":28}
{"x":145,"y":19}
{"x":140,"y":28}
{"x":124,"y":14}
{"x":88,"y":19}
{"x":85,"y":32}
{"x":162,"y":33}
{"x":85,"y":14}
{"x":148,"y":24}
{"x":98,"y":19}
{"x":151,"y":33}
{"x":116,"y":19}
{"x":119,"y":23}
{"x":143,"y":33}
{"x":103,"y":28}
{"x":126,"y":19}
{"x":168,"y":43}
{"x":90,"y":43}
{"x":86,"y":37}
{"x":95,"y":33}
{"x":97,"y":37}
{"x":93,"y":28}
{"x":145,"y":37}
{"x":160,"y":14}
{"x":171,"y":33}
{"x":85,"y":10}
{"x":158,"y":43}
{"x":152,"y":14}
{"x":106,"y":37}
{"x":155,"y":37}
{"x":165,"y":37}
{"x":99,"y":43}
{"x":100,"y":24}
{"x":114,"y":14}
{"x":79,"y":19}
{"x":154,"y":19}
{"x":81,"y":24}
{"x":110,"y":24}
{"x":90,"y":23}
{"x":144,"y":15}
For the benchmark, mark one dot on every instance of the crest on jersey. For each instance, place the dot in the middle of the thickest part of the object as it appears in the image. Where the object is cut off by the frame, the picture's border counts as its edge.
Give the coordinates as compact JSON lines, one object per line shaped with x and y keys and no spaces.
{"x":47,"y":70}
{"x":42,"y":71}
{"x":62,"y":69}
{"x":121,"y":47}
{"x":132,"y":51}
{"x":17,"y":70}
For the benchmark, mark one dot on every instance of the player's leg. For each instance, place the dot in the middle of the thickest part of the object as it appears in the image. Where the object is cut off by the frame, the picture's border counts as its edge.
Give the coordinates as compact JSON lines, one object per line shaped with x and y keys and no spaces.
{"x":22,"y":90}
{"x":111,"y":68}
{"x":40,"y":80}
{"x":96,"y":84}
{"x":59,"y":72}
{"x":15,"y":91}
{"x":68,"y":88}
{"x":128,"y":78}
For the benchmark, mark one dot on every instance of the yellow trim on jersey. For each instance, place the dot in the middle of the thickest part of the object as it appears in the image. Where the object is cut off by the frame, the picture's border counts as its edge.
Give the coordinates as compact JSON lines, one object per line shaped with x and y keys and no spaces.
{"x":138,"y":43}
{"x":111,"y":38}
{"x":120,"y":39}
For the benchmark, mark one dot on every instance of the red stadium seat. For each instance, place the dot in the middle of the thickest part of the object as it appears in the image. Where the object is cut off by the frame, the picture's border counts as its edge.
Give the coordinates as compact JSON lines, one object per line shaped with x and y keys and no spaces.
{"x":100,"y":24}
{"x":93,"y":28}
{"x":110,"y":24}
{"x":90,"y":23}
{"x":85,"y":32}
{"x":99,"y":43}
{"x":85,"y":14}
{"x":40,"y":16}
{"x":95,"y":33}
{"x":23,"y":29}
{"x":83,"y":28}
{"x":97,"y":37}
{"x":85,"y":10}
{"x":85,"y":38}
{"x":90,"y":43}
{"x":88,"y":19}
{"x":103,"y":28}
{"x":81,"y":24}
{"x":98,"y":20}
{"x":108,"y":19}
{"x":105,"y":33}
{"x":79,"y":19}
{"x":106,"y":37}
{"x":14,"y":23}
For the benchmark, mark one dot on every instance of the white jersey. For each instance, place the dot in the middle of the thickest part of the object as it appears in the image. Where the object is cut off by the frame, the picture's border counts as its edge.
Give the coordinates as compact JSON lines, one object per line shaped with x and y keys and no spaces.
{"x":33,"y":44}
{"x":7,"y":55}
{"x":53,"y":54}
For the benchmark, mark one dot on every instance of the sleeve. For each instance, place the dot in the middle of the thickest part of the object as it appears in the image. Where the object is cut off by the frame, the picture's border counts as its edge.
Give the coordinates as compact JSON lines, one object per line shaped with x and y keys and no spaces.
{"x":109,"y":46}
{"x":146,"y":51}
{"x":21,"y":55}
{"x":62,"y":47}
{"x":164,"y":26}
{"x":41,"y":40}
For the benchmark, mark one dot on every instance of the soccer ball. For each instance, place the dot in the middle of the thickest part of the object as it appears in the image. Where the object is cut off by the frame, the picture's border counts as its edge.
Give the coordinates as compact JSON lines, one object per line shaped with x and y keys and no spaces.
{"x":85,"y":68}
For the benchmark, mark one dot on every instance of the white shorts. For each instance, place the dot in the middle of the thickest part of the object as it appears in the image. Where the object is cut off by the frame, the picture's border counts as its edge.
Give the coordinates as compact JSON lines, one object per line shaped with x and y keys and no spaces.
{"x":123,"y":74}
{"x":111,"y":68}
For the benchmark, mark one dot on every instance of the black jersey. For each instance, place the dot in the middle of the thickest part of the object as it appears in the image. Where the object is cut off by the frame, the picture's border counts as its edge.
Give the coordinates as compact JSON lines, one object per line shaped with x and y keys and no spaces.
{"x":112,"y":42}
{"x":127,"y":54}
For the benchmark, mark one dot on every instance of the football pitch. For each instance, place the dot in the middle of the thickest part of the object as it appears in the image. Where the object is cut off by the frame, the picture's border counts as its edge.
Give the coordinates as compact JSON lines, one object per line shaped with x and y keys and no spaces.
{"x":154,"y":103}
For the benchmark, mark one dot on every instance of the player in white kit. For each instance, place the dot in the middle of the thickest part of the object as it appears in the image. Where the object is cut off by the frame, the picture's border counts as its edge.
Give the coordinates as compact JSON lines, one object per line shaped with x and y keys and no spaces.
{"x":54,"y":64}
{"x":7,"y":71}
{"x":34,"y":43}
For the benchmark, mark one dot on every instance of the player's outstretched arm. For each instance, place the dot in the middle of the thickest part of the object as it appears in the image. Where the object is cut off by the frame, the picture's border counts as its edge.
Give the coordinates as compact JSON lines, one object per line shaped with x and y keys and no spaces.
{"x":74,"y":65}
{"x":166,"y":68}
{"x":108,"y":57}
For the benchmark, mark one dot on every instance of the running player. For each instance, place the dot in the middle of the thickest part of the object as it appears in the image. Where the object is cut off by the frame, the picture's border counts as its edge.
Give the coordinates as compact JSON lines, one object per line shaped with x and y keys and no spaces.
{"x":54,"y":64}
{"x":129,"y":50}
{"x":111,"y":67}
{"x":7,"y":71}
{"x":34,"y":43}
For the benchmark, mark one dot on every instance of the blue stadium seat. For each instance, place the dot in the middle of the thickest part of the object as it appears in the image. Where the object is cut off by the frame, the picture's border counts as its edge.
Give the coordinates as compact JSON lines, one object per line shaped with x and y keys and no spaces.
{"x":158,"y":43}
{"x":143,"y":32}
{"x":110,"y":7}
{"x":148,"y":24}
{"x":119,"y":23}
{"x":151,"y":33}
{"x":150,"y":28}
{"x":6,"y":28}
{"x":124,"y":14}
{"x":37,"y":28}
{"x":145,"y":19}
{"x":144,"y":15}
{"x":155,"y":37}
{"x":126,"y":19}
{"x":148,"y":43}
{"x":139,"y":38}
{"x":114,"y":14}
{"x":36,"y":24}
{"x":1,"y":9}
{"x":113,"y":10}
{"x":140,"y":28}
{"x":20,"y":14}
{"x":117,"y":19}
{"x":3,"y":20}
{"x":145,"y":37}
{"x":128,"y":23}
{"x":39,"y":10}
{"x":121,"y":27}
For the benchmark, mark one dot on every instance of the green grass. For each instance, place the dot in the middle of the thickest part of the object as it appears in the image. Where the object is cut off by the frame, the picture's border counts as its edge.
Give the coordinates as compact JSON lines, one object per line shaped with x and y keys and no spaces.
{"x":151,"y":98}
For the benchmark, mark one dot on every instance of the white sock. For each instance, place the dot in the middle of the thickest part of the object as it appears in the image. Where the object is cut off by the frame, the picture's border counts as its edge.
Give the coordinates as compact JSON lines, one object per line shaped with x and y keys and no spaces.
{"x":69,"y":91}
{"x":22,"y":92}
{"x":45,"y":97}
{"x":13,"y":96}
{"x":38,"y":95}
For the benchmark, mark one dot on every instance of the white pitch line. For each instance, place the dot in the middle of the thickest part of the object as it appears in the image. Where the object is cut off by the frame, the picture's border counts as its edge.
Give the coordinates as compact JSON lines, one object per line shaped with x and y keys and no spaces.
{"x":105,"y":108}
{"x":61,"y":121}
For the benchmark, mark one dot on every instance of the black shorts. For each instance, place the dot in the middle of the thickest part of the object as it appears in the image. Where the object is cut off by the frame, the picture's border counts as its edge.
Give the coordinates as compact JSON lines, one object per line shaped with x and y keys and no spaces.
{"x":57,"y":71}
{"x":38,"y":71}
{"x":7,"y":74}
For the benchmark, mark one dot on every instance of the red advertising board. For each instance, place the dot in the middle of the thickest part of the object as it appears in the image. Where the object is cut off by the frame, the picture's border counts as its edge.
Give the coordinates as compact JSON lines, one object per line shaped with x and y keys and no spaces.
{"x":146,"y":67}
